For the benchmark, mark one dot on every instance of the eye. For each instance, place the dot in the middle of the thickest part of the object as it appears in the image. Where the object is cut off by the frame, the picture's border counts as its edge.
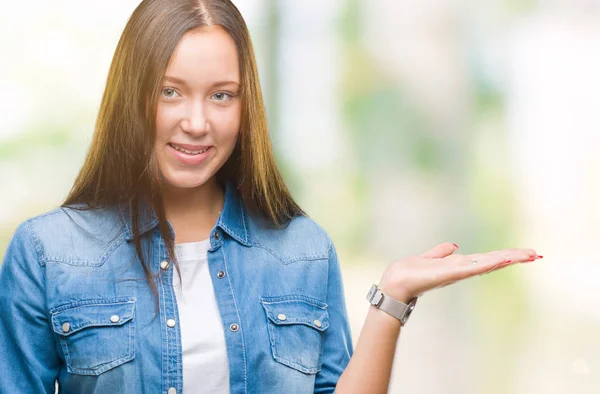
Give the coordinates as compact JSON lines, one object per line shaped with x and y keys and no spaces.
{"x":169,"y":93}
{"x":223,"y":96}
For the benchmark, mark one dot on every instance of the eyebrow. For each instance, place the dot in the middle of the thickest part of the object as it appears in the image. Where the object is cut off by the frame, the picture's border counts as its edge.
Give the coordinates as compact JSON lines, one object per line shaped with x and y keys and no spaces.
{"x":214,"y":85}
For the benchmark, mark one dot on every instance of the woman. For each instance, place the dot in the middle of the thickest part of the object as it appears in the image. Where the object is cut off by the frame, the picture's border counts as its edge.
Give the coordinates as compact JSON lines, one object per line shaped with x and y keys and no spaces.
{"x":179,"y":261}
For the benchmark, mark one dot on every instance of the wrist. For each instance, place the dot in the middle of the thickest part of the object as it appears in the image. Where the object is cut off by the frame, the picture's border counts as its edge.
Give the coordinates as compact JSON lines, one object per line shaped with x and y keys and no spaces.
{"x":390,"y":305}
{"x":396,"y":291}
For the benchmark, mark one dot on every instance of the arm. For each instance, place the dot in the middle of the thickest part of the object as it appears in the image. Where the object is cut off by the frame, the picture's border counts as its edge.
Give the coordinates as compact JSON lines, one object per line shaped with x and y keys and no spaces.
{"x":28,"y":361}
{"x":370,"y":368}
{"x":337,"y":344}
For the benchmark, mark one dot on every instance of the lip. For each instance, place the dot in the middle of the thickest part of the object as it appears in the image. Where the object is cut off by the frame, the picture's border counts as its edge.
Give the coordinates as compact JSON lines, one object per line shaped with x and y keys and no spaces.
{"x":191,"y":147}
{"x":186,"y":159}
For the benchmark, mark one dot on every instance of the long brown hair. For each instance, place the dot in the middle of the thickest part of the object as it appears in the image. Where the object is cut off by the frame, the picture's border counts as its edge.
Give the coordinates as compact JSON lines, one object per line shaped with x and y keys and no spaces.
{"x":120,"y":168}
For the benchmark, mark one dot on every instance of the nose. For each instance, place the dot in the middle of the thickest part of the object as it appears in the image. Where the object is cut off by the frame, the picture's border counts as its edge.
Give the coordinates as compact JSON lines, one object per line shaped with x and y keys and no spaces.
{"x":195,"y":120}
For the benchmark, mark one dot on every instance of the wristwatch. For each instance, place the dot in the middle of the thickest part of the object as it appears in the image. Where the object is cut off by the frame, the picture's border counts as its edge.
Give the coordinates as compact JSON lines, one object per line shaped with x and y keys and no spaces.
{"x":399,"y":310}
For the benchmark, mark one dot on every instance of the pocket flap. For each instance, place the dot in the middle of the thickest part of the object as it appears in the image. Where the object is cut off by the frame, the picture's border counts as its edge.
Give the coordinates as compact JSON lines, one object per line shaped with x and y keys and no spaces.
{"x":68,"y":319}
{"x":296,"y":310}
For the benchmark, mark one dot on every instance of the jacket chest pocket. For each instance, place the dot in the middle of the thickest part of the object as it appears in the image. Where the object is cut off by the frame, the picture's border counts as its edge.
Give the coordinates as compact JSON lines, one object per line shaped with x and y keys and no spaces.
{"x":296,"y":326}
{"x":95,"y":335}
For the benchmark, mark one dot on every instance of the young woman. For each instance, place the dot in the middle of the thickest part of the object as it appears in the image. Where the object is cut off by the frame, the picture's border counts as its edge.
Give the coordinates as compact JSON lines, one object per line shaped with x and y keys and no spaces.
{"x":179,"y":262}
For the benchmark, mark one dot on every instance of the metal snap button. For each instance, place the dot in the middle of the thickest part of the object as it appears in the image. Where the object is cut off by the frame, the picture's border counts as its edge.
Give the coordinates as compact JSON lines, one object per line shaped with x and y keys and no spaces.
{"x":217,"y":236}
{"x":164,"y":265}
{"x":281,"y":317}
{"x":171,"y":323}
{"x":172,"y":390}
{"x":66,"y":327}
{"x":317,"y":323}
{"x":234,"y":327}
{"x":221,"y":274}
{"x":115,"y":318}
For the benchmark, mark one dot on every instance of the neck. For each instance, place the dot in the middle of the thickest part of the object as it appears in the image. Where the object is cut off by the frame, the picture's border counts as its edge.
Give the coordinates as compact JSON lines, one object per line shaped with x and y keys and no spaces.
{"x":194,"y":212}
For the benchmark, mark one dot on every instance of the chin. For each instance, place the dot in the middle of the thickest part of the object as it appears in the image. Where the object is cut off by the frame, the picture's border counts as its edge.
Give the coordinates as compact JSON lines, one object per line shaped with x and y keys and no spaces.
{"x":186,"y":181}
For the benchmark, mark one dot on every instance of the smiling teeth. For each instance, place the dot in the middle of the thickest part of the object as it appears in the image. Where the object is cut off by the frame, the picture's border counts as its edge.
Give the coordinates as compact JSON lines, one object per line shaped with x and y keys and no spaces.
{"x":189,"y":152}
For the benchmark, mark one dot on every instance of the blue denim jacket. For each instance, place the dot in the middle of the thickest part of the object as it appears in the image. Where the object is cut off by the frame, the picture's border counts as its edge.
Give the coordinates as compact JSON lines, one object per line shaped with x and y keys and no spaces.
{"x":75,"y":307}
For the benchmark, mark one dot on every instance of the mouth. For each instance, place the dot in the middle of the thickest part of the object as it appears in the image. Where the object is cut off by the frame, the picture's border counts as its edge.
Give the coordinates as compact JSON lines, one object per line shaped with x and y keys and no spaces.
{"x":191,"y":150}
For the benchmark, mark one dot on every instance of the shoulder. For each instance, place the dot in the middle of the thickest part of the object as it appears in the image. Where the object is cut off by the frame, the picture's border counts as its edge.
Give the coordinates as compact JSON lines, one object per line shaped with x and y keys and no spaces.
{"x":21,"y":242}
{"x":301,"y":239}
{"x":68,"y":233}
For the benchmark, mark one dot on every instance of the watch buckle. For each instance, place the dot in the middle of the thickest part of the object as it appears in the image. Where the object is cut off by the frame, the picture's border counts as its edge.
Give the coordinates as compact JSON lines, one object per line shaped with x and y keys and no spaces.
{"x":375,"y":296}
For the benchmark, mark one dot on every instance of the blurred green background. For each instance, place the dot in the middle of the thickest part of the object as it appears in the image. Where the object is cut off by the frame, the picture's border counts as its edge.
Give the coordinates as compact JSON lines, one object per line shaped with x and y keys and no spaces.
{"x":398,"y":125}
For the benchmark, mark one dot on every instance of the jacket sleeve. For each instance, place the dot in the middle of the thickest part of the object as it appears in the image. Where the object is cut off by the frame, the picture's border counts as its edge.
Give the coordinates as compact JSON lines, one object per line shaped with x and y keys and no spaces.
{"x":28,"y":360}
{"x":337,"y":345}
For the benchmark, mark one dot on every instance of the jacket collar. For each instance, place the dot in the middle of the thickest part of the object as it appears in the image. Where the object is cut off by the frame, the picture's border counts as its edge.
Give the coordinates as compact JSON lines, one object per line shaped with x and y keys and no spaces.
{"x":233,"y":219}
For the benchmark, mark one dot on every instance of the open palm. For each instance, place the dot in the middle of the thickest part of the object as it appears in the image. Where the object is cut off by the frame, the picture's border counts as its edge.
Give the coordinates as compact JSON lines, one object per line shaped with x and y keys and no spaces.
{"x":441,"y":266}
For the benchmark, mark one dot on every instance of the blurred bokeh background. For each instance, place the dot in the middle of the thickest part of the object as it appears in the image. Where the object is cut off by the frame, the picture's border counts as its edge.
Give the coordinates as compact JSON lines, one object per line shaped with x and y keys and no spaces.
{"x":398,"y":125}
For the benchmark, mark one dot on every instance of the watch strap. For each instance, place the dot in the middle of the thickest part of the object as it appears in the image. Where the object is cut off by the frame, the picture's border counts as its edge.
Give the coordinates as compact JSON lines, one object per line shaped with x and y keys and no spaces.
{"x":389,"y":305}
{"x":393,"y":307}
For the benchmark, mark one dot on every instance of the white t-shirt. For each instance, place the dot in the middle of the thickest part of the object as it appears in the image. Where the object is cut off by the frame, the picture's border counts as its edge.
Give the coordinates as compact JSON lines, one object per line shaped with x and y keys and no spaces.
{"x":205,"y":364}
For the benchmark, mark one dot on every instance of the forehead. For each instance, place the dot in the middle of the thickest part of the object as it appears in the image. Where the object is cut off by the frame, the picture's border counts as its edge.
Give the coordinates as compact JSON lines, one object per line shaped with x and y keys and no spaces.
{"x":205,"y":55}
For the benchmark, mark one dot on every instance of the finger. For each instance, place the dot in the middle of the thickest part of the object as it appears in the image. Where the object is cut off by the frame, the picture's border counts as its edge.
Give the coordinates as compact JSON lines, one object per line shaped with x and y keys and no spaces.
{"x":502,"y":260}
{"x":497,"y":267}
{"x":460,"y":267}
{"x":510,"y":254}
{"x":495,"y":257}
{"x":526,"y":259}
{"x":440,"y":251}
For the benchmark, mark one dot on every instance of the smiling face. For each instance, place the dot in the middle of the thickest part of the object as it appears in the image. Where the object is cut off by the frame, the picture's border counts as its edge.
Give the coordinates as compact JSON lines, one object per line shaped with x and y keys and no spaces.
{"x":199,"y":108}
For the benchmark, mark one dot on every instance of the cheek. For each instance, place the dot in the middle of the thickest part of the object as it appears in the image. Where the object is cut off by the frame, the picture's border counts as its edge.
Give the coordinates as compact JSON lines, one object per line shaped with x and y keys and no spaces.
{"x":230,"y":137}
{"x":229,"y":124}
{"x":166,"y":120}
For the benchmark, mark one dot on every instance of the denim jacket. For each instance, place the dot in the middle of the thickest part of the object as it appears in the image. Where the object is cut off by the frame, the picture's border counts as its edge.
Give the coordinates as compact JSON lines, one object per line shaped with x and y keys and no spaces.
{"x":76,"y":310}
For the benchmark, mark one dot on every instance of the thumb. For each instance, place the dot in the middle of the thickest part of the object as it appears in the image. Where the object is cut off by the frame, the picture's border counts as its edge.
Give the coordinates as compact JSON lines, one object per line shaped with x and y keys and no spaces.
{"x":440,"y":251}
